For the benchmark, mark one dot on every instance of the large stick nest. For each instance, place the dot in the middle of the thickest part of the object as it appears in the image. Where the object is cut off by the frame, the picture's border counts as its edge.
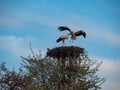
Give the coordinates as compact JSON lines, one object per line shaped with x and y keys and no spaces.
{"x":65,"y":52}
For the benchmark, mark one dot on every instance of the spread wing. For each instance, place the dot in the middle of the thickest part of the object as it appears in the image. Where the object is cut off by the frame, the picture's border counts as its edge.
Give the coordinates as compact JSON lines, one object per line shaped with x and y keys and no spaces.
{"x":62,"y":28}
{"x":80,"y":32}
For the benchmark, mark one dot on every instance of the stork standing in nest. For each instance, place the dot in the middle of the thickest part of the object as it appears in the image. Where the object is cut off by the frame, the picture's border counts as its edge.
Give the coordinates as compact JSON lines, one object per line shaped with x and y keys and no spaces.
{"x":72,"y":33}
{"x":62,"y":38}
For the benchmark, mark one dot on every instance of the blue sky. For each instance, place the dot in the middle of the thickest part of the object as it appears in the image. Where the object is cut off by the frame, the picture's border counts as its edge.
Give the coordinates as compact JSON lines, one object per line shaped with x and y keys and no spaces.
{"x":36,"y":21}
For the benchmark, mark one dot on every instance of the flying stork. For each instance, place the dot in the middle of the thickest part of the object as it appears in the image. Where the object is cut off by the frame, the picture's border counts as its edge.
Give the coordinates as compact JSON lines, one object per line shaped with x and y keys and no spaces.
{"x":72,"y":33}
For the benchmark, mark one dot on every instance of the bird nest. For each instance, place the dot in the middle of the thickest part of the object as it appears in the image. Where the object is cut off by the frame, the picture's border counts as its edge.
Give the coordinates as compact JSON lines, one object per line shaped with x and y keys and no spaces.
{"x":65,"y":52}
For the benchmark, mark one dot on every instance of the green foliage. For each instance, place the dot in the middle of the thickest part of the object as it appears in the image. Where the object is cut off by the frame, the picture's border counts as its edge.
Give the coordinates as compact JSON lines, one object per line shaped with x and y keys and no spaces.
{"x":12,"y":80}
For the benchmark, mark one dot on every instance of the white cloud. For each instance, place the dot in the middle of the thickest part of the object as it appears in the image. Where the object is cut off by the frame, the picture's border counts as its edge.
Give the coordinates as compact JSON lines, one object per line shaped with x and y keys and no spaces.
{"x":109,"y":69}
{"x":108,"y":36}
{"x":19,"y":46}
{"x":111,"y":85}
{"x":110,"y":66}
{"x":15,"y":45}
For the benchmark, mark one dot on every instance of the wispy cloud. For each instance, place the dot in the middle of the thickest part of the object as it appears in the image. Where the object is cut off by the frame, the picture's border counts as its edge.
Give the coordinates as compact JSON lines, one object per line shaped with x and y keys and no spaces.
{"x":19,"y":46}
{"x":91,"y":29}
{"x":62,"y":17}
{"x":111,"y":66}
{"x":4,"y":21}
{"x":76,"y":22}
{"x":108,"y":36}
{"x":113,"y":85}
{"x":109,"y":69}
{"x":15,"y":45}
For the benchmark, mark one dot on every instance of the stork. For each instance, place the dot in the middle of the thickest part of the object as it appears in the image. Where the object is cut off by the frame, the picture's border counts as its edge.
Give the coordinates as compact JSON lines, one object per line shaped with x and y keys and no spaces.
{"x":62,"y":38}
{"x":72,"y":33}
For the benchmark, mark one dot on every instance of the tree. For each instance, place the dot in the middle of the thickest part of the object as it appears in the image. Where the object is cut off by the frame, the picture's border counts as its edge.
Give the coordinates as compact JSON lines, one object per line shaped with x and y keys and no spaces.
{"x":12,"y":80}
{"x":64,"y":68}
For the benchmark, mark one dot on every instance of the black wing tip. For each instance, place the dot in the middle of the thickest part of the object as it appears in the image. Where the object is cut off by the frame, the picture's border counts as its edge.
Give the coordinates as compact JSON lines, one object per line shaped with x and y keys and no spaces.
{"x":60,"y":28}
{"x":83,"y":33}
{"x":58,"y":40}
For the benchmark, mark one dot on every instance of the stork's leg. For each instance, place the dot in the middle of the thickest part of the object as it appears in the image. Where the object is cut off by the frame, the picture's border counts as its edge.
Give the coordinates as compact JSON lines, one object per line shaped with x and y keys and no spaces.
{"x":63,"y":42}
